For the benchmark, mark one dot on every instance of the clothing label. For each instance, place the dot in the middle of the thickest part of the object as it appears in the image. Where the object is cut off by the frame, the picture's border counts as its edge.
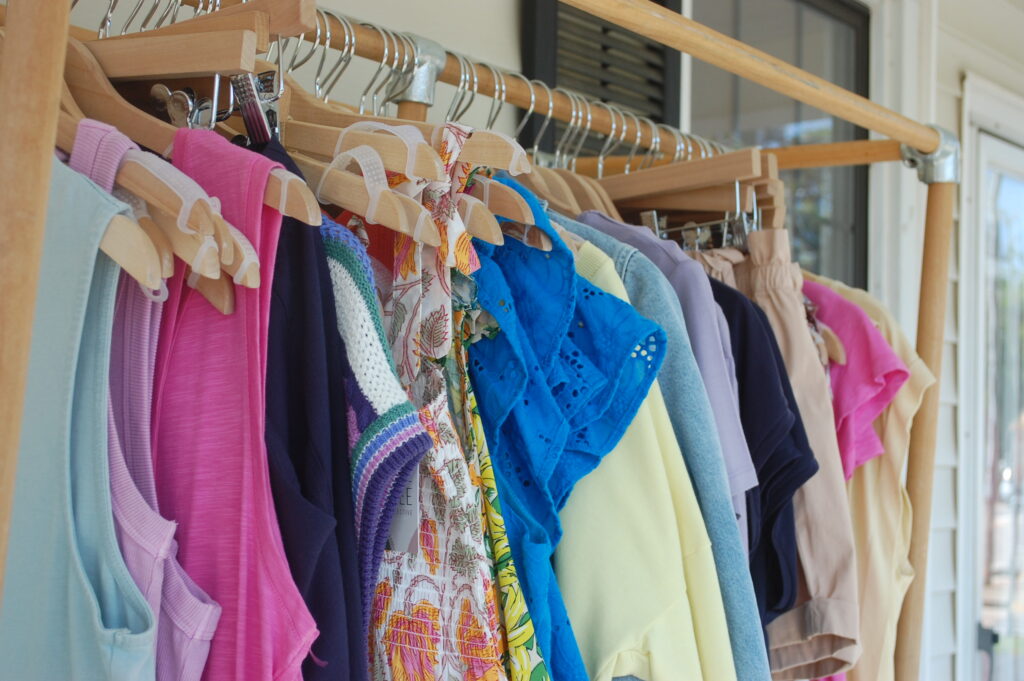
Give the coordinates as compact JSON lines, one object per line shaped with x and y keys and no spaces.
{"x":405,"y":524}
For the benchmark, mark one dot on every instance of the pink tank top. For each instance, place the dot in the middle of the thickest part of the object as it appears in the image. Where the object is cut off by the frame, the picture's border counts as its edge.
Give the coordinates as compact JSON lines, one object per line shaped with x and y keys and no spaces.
{"x":208,"y":427}
{"x":186,"y":617}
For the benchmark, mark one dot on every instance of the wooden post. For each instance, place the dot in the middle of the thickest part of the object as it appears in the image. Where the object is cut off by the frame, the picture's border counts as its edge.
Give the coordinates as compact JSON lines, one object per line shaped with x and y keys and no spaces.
{"x":30,"y":80}
{"x":931,"y":322}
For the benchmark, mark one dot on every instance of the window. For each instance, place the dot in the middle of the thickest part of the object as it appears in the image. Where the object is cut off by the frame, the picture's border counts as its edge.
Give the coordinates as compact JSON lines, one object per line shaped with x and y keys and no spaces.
{"x":568,"y":48}
{"x":827,"y":207}
{"x":1000,"y":532}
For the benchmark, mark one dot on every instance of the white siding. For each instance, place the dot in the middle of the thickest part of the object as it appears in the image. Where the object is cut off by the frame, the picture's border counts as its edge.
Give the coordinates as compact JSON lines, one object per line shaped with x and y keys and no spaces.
{"x":982,"y":36}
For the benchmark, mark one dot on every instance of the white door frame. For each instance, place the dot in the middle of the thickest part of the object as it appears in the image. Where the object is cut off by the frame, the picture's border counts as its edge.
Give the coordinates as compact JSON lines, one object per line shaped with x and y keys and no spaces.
{"x":991,"y":109}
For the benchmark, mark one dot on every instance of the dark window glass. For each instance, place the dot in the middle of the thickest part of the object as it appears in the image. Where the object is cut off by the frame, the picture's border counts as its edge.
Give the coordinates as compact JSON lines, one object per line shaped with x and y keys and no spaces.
{"x":569,"y":48}
{"x":827,"y":207}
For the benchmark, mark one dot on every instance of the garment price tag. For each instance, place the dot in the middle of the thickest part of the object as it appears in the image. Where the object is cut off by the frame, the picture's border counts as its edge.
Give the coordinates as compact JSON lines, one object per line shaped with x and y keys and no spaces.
{"x":405,"y":523}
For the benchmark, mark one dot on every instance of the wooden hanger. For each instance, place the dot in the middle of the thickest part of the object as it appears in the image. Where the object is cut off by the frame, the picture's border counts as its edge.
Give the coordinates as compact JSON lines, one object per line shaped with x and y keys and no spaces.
{"x":501,"y":200}
{"x":253,"y":20}
{"x":585,"y":194}
{"x":719,"y":198}
{"x":554,"y":190}
{"x":744,"y":164}
{"x":98,"y":99}
{"x":127,"y":244}
{"x":162,"y":244}
{"x":607,"y":205}
{"x":479,"y":221}
{"x":483,"y":148}
{"x":143,"y":56}
{"x":320,"y":141}
{"x":347,"y":190}
{"x":287,"y":17}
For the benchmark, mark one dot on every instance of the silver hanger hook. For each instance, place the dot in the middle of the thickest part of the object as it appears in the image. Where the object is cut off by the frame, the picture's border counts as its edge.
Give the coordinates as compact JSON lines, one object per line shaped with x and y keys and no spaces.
{"x":570,"y":129}
{"x":460,"y":90}
{"x":380,"y":68}
{"x":403,"y":77}
{"x":377,"y":99}
{"x":315,"y":43}
{"x":547,"y":118}
{"x":705,"y":148}
{"x":584,"y":102}
{"x":688,"y":139}
{"x":636,"y":140}
{"x":151,"y":14}
{"x":655,"y":148}
{"x":533,"y":104}
{"x":324,"y":47}
{"x":497,"y":98}
{"x":131,"y":15}
{"x":344,"y":55}
{"x":575,"y":130}
{"x":104,"y":29}
{"x":609,"y":141}
{"x":170,"y":14}
{"x":677,"y":149}
{"x":475,"y":79}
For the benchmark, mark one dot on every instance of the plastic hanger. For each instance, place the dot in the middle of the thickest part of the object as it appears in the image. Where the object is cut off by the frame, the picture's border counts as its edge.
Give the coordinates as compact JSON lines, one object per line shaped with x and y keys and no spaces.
{"x":368,"y":195}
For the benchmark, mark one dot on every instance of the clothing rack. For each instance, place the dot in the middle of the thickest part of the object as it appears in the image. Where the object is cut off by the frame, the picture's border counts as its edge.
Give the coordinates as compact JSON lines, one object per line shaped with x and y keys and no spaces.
{"x":935,"y":153}
{"x":36,"y":45}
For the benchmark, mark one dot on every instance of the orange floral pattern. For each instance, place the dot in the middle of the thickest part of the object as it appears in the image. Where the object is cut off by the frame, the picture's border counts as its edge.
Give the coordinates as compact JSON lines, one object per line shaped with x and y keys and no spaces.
{"x":434,"y":613}
{"x":519,"y":650}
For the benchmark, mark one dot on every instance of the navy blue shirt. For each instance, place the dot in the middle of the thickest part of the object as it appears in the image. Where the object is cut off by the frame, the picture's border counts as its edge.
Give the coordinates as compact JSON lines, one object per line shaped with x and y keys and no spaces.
{"x":778,"y":447}
{"x":307,"y":447}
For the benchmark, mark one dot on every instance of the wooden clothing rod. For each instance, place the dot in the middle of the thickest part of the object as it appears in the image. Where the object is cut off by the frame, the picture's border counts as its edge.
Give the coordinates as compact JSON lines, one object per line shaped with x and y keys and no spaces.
{"x":676,"y":31}
{"x":672,"y":30}
{"x":30,"y":80}
{"x":854,"y":153}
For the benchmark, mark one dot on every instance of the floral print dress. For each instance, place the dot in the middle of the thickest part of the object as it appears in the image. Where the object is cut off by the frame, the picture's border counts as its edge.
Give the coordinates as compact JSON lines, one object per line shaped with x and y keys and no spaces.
{"x":434,"y":617}
{"x":520,"y":652}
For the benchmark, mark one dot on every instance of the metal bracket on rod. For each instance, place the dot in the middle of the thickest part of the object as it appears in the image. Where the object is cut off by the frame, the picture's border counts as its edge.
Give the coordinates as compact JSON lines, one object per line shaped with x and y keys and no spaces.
{"x":941,"y":165}
{"x":430,"y":61}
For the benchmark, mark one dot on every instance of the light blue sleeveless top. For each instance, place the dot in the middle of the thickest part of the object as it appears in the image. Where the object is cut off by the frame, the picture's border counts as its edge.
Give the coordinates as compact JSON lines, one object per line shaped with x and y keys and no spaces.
{"x":70,"y":608}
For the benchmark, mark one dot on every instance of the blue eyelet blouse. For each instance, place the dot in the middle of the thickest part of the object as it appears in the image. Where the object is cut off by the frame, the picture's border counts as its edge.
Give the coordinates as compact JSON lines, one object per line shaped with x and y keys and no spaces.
{"x":556,"y":387}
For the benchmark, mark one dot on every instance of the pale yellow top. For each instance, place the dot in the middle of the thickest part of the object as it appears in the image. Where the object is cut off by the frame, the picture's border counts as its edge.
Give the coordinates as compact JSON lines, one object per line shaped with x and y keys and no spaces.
{"x":879,"y":504}
{"x":635,"y":564}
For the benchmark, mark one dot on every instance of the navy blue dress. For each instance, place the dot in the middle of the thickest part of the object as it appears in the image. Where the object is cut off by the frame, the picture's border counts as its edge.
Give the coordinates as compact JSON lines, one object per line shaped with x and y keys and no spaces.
{"x":307,"y":444}
{"x":778,"y":447}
